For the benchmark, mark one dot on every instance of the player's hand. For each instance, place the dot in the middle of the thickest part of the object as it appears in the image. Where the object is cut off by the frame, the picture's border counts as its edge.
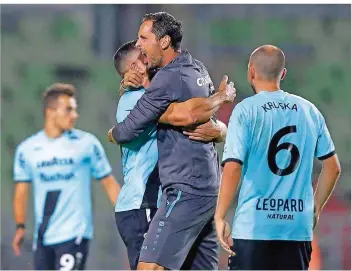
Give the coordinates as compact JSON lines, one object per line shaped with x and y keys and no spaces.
{"x":110,"y":137}
{"x":133,"y":79}
{"x":228,"y":90}
{"x":206,"y":132}
{"x":18,"y":240}
{"x":223,"y":231}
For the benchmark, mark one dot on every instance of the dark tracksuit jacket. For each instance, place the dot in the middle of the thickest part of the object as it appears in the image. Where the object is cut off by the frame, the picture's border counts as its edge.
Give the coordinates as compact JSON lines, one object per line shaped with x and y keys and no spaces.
{"x":184,"y":164}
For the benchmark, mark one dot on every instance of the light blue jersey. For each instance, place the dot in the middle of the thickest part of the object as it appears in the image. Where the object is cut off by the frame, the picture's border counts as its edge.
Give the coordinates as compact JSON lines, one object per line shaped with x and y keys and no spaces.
{"x":139,"y":162}
{"x":276,"y":135}
{"x":61,"y":170}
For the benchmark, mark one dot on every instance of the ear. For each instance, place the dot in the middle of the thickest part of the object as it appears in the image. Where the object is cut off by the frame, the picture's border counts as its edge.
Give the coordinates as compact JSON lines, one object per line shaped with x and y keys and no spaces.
{"x":284,"y":72}
{"x":165,"y":42}
{"x":251,"y":72}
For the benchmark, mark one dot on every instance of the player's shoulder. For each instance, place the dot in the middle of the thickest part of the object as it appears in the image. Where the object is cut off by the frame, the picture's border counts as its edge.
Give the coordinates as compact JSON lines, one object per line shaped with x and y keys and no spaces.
{"x":304,"y":102}
{"x":200,"y":64}
{"x":128,"y":100}
{"x":131,"y":95}
{"x":247,"y":103}
{"x":80,"y":135}
{"x":31,"y":141}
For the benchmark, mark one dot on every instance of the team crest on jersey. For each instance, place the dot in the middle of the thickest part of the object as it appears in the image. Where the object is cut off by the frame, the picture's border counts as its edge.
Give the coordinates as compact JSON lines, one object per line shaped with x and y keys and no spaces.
{"x":55,"y":162}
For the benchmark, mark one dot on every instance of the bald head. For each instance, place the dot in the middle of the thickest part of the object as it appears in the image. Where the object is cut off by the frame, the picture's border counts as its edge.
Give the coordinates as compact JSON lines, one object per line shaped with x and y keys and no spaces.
{"x":268,"y":62}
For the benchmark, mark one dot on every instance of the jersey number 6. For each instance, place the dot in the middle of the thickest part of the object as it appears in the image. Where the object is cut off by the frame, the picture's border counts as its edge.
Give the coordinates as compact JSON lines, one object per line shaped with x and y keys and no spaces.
{"x":274,"y":149}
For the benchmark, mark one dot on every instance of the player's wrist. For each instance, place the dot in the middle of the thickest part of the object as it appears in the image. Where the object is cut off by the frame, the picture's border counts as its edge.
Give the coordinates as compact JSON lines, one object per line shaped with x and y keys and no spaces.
{"x":219,"y":134}
{"x":122,"y":83}
{"x":218,"y":217}
{"x":20,"y":226}
{"x":222,"y":97}
{"x":123,"y":86}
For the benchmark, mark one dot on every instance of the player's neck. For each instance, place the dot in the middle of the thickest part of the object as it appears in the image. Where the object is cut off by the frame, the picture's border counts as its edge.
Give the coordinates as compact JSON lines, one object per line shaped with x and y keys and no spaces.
{"x":267,"y":86}
{"x":51,"y":130}
{"x":169,"y":56}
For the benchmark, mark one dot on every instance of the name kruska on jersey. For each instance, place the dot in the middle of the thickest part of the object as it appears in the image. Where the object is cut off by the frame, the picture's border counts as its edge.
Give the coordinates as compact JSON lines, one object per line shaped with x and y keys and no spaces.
{"x":275,"y":105}
{"x":280,"y":205}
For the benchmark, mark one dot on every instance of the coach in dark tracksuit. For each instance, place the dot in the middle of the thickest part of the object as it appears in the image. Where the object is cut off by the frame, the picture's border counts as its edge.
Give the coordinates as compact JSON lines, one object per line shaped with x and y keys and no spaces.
{"x":182,"y":232}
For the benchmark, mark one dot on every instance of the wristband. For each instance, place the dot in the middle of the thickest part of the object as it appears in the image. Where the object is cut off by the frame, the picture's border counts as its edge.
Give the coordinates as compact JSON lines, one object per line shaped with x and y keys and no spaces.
{"x":20,"y":226}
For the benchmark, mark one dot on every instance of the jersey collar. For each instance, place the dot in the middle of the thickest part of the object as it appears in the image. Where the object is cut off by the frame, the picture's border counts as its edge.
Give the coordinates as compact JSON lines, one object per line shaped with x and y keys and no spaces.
{"x":264,"y":92}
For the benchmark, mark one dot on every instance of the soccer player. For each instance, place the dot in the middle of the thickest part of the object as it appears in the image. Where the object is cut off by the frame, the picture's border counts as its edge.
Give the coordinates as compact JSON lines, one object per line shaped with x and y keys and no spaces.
{"x":274,"y":138}
{"x":60,"y":162}
{"x":182,"y":232}
{"x":137,"y":201}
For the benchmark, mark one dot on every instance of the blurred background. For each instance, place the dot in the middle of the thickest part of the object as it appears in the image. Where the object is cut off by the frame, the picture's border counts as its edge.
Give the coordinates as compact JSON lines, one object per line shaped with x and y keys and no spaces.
{"x":42,"y":44}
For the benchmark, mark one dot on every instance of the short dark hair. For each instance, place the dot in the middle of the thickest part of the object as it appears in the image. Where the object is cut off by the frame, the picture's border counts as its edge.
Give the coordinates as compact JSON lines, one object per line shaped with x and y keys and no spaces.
{"x":56,"y":90}
{"x":166,"y":24}
{"x":122,"y":53}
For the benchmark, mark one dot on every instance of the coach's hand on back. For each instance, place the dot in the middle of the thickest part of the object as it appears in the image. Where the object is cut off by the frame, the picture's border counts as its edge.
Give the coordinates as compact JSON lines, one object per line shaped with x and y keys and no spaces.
{"x":132,"y":79}
{"x":227,"y":89}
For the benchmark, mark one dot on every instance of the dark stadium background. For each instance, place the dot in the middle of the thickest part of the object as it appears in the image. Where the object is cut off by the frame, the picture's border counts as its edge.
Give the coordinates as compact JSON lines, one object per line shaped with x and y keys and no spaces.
{"x":41,"y":44}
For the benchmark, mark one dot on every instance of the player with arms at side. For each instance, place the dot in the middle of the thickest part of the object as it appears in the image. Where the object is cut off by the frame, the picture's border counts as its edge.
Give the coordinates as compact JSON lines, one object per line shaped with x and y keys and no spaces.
{"x":59,"y":161}
{"x":182,"y":232}
{"x":274,"y":139}
{"x":137,"y":201}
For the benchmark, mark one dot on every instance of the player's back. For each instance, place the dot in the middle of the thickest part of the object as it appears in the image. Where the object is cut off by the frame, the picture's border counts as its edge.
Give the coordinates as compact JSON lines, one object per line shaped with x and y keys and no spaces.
{"x":139,"y":161}
{"x":283,"y":132}
{"x":61,"y":170}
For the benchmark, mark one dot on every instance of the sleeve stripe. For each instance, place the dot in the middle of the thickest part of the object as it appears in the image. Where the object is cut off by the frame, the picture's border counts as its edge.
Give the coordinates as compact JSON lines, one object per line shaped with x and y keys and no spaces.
{"x":104,"y":176}
{"x":23,"y":181}
{"x":231,"y":160}
{"x":324,"y":157}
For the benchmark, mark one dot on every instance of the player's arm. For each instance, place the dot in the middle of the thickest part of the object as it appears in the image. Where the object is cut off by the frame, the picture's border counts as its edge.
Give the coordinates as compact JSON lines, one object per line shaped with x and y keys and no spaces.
{"x":150,"y":106}
{"x":20,"y":201}
{"x":23,"y":177}
{"x":325,"y":151}
{"x":101,"y":170}
{"x":111,"y":187}
{"x":198,"y":110}
{"x":326,"y":183}
{"x":230,"y":180}
{"x":234,"y":154}
{"x":20,"y":214}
